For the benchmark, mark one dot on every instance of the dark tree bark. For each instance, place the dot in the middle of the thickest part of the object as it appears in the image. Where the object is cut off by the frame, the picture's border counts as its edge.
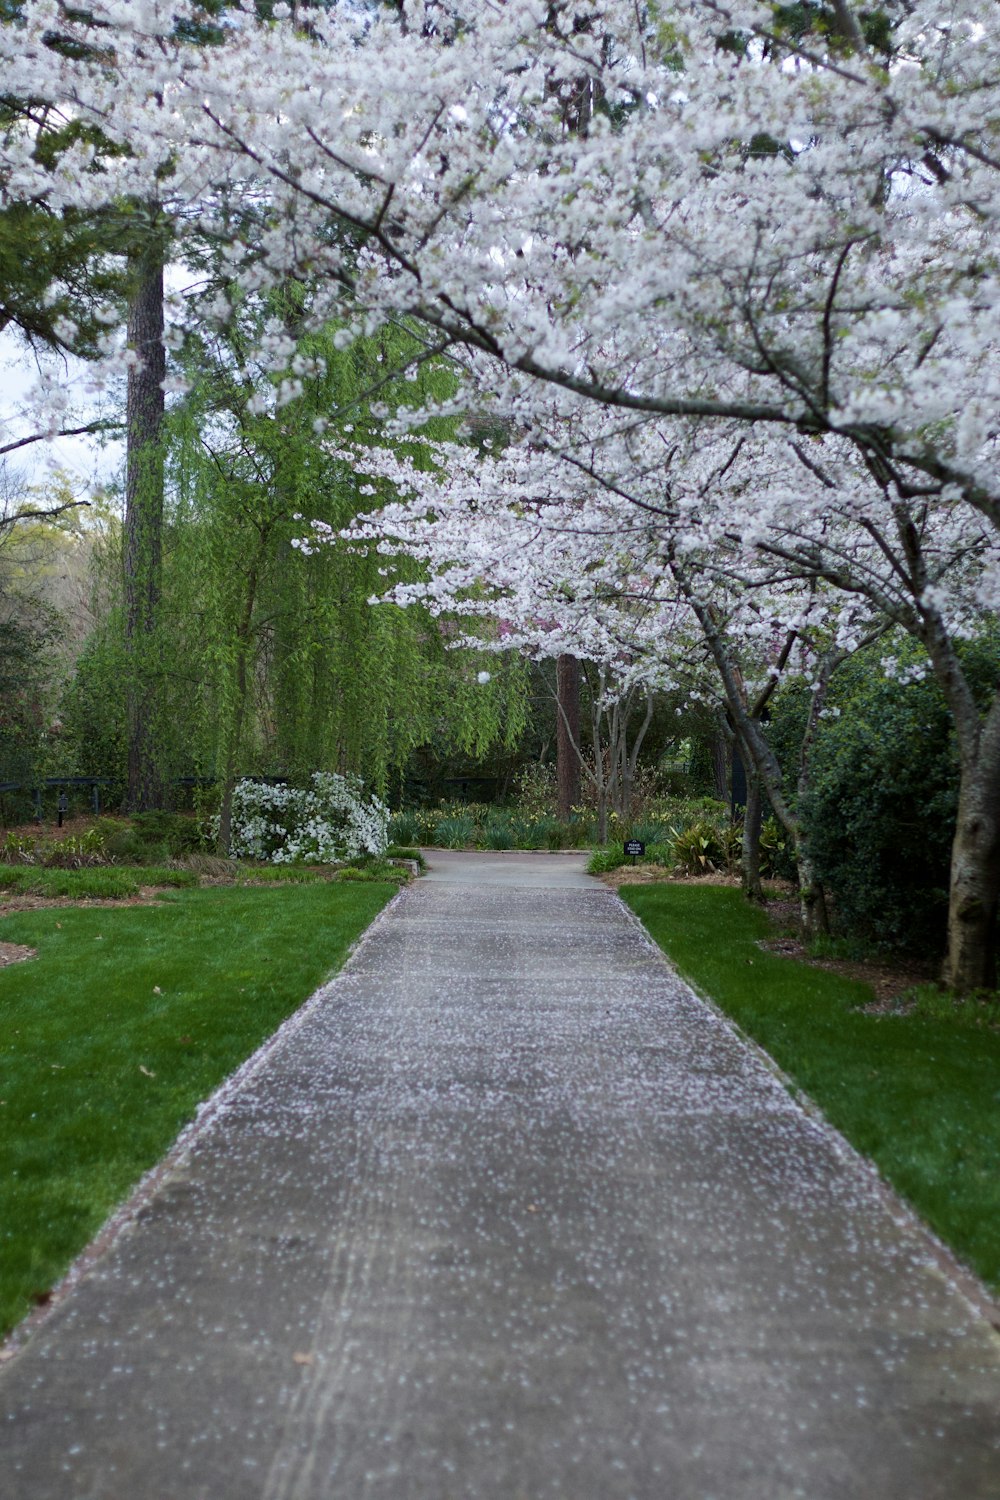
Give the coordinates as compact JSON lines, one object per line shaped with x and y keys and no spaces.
{"x":567,"y":734}
{"x":746,"y":722}
{"x":750,"y":807}
{"x":975,"y":882}
{"x":974,"y":895}
{"x":720,"y":766}
{"x":144,"y":523}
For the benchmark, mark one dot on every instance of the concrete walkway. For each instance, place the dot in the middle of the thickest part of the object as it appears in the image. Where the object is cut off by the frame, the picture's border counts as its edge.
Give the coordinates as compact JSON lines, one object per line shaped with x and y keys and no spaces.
{"x":507,"y":1213}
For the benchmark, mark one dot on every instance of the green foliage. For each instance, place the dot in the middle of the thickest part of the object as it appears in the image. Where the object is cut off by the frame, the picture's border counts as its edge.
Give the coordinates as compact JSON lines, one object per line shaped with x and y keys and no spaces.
{"x":151,"y":837}
{"x":28,"y":633}
{"x":405,"y":828}
{"x":651,"y":831}
{"x":125,"y":1021}
{"x":292,"y":665}
{"x":775,"y":860}
{"x":380,"y":872}
{"x":531,"y":832}
{"x":704,"y":847}
{"x":93,"y":709}
{"x":916,"y":1092}
{"x":880,"y":811}
{"x":535,"y":789}
{"x":456,"y":832}
{"x":485,"y":826}
{"x":106,"y":882}
{"x":395,"y":851}
{"x":178,"y":833}
{"x":254,"y":874}
{"x":74,"y":852}
{"x":42,"y":253}
{"x":602,"y":861}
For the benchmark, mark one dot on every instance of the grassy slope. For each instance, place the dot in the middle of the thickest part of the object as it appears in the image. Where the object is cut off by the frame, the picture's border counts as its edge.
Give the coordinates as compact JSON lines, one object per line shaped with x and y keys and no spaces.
{"x":919,"y":1094}
{"x":185,"y":991}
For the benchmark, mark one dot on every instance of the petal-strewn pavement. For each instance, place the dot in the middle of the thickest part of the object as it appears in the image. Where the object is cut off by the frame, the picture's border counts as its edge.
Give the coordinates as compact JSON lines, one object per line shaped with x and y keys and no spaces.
{"x":508,"y":1213}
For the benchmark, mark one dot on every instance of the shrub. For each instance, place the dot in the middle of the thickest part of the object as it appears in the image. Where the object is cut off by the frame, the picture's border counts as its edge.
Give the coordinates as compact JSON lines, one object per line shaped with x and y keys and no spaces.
{"x":775,"y":861}
{"x":180,"y":834}
{"x":880,"y":811}
{"x":330,"y":821}
{"x":535,"y":789}
{"x":603,"y":860}
{"x":651,"y":831}
{"x":152,"y":837}
{"x":405,"y":828}
{"x":705,"y":846}
{"x":529,"y":833}
{"x":456,"y":832}
{"x":881,"y":814}
{"x":73,"y":852}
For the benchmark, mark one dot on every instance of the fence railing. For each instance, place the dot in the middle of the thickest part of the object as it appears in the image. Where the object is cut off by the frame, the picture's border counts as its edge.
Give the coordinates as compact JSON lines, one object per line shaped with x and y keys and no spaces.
{"x":49,"y":783}
{"x":36,"y":789}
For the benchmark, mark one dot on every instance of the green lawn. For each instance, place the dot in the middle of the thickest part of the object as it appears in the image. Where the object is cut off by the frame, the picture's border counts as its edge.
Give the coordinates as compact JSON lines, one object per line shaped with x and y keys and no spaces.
{"x":919,"y":1094}
{"x":126,"y":1020}
{"x":103,"y":882}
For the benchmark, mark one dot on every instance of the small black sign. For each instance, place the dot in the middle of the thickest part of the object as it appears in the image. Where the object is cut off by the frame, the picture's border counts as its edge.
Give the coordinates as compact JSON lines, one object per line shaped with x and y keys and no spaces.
{"x":634,"y":847}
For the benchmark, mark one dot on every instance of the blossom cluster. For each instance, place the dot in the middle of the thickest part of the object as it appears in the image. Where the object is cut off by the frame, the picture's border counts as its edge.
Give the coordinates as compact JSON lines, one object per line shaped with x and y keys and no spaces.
{"x":329,"y":821}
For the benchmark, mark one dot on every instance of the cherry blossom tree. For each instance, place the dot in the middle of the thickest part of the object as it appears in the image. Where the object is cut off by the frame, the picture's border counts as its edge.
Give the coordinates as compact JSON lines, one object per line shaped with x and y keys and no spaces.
{"x":642,"y":574}
{"x":790,"y":231}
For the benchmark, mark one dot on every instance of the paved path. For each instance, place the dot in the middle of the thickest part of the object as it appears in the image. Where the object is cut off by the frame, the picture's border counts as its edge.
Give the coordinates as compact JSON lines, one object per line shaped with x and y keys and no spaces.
{"x":509,"y":1214}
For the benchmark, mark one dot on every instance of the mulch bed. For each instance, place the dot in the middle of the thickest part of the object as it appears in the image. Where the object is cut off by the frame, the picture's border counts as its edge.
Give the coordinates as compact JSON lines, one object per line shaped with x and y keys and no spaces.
{"x":15,"y":953}
{"x":658,"y":875}
{"x":890,"y":979}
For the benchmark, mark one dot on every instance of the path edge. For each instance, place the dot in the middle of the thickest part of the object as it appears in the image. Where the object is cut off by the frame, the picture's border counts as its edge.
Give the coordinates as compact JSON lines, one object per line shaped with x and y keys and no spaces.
{"x":124,"y":1218}
{"x":959,"y":1276}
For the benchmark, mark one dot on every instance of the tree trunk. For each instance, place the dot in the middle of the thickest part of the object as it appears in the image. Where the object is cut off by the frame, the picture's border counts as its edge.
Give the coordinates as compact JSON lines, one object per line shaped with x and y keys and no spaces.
{"x":602,"y":813}
{"x":614,"y":759}
{"x":753,"y":887}
{"x":600,"y":779}
{"x":812,"y":902}
{"x":567,"y":735}
{"x":971,"y":962}
{"x":144,"y":525}
{"x":244,"y":632}
{"x":720,"y":766}
{"x":814,"y":918}
{"x":630,"y":758}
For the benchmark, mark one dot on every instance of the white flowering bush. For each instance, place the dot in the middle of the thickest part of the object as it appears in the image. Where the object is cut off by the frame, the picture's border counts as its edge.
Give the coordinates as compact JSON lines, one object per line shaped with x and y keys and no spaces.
{"x":327,"y":822}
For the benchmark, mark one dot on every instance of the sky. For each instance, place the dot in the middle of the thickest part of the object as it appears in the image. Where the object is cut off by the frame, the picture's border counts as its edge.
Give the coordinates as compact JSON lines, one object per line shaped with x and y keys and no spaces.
{"x":87,"y":464}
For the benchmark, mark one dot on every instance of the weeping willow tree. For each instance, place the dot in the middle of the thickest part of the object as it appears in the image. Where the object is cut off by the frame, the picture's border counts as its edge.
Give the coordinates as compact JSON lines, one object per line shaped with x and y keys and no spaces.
{"x":290,"y":668}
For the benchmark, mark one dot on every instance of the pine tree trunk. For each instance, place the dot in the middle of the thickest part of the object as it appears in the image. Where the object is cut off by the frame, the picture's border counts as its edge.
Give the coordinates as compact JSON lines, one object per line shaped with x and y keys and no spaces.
{"x":144,"y":526}
{"x":567,"y":735}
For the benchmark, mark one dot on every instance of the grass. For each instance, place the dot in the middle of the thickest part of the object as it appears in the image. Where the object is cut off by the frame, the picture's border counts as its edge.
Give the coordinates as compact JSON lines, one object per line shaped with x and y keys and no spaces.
{"x":918,"y":1093}
{"x":107,"y":881}
{"x":125,"y":1021}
